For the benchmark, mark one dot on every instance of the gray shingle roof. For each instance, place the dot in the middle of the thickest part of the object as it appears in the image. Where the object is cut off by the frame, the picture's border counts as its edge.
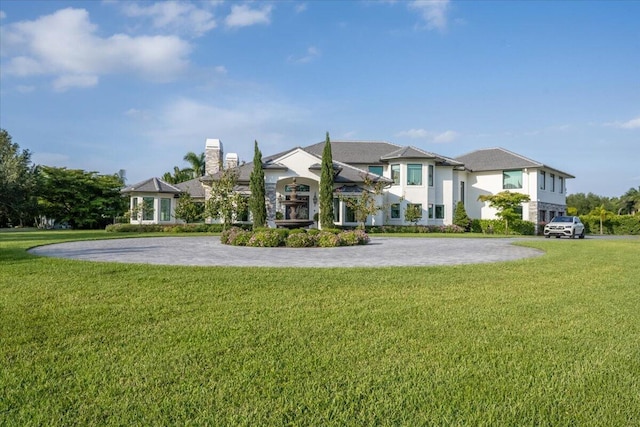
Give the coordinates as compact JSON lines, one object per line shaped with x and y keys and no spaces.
{"x":193,"y":187}
{"x":354,"y":152}
{"x":491,"y":159}
{"x":152,"y":185}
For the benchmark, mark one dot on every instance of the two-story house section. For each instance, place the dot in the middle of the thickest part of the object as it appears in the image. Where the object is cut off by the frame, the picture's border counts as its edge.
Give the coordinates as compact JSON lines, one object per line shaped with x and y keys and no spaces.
{"x":492,"y":170}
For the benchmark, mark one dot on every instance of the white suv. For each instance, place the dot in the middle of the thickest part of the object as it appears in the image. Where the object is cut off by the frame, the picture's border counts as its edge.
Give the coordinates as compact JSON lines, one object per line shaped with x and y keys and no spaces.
{"x":569,"y":226}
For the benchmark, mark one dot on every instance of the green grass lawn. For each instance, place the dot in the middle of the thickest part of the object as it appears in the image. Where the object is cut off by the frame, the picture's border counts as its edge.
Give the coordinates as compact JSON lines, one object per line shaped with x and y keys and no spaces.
{"x":552,"y":340}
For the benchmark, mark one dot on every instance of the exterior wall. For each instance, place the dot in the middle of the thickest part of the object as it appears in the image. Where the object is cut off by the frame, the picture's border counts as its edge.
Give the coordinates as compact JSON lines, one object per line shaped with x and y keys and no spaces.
{"x":157,"y":197}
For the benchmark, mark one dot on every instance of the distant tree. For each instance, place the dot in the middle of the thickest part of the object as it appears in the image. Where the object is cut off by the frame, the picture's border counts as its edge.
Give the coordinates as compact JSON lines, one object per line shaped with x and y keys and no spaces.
{"x":197,"y":162}
{"x":179,"y":175}
{"x":413,"y":213}
{"x":460,"y":217}
{"x":629,"y":203}
{"x":225,"y":202}
{"x":602,"y":214}
{"x":507,"y":204}
{"x":82,"y":199}
{"x":257,"y":203}
{"x":326,"y":186}
{"x":585,"y":203}
{"x":18,"y":183}
{"x":189,"y":210}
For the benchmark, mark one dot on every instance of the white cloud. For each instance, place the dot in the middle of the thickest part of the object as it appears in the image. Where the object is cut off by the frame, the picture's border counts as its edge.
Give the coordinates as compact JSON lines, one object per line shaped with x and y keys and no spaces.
{"x":630,"y":124}
{"x":181,"y":16}
{"x":300,"y":7}
{"x":244,"y":16}
{"x":438,"y":138}
{"x":433,"y":12}
{"x":2,"y":14}
{"x":311,"y":54}
{"x":65,"y":45}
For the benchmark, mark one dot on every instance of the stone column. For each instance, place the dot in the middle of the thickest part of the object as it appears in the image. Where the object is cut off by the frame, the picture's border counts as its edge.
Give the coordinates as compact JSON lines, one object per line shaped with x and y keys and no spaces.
{"x":270,"y":193}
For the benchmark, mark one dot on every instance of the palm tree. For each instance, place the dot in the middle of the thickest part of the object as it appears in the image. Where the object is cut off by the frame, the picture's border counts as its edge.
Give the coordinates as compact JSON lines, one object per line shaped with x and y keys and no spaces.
{"x":630,"y":202}
{"x":197,"y":163}
{"x":602,"y":214}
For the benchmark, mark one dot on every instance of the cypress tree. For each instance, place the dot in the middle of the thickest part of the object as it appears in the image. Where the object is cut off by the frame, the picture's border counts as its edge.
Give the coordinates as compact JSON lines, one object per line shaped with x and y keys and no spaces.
{"x":326,"y":187}
{"x":257,"y":203}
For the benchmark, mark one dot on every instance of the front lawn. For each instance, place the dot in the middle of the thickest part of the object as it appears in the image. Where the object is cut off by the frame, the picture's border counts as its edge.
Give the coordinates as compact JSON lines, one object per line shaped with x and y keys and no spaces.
{"x":551,"y":340}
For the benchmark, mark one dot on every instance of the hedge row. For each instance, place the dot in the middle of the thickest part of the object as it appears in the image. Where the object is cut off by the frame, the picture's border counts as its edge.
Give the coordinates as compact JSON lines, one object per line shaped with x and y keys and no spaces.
{"x":617,"y":225}
{"x":169,"y":228}
{"x":496,"y":226}
{"x":414,"y":229}
{"x":297,"y":238}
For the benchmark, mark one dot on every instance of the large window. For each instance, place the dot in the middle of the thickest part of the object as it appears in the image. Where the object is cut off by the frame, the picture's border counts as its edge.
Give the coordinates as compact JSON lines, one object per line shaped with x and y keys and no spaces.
{"x":512,"y":179}
{"x":561,"y":179}
{"x":147,"y":208}
{"x":552,"y":177}
{"x":395,"y":174}
{"x":378,"y":170}
{"x":349,"y":214}
{"x":430,"y":175}
{"x":336,"y":210}
{"x":395,"y":210}
{"x":543,"y":180}
{"x":430,"y":211}
{"x":414,"y":174}
{"x":165,"y":209}
{"x":439,"y":211}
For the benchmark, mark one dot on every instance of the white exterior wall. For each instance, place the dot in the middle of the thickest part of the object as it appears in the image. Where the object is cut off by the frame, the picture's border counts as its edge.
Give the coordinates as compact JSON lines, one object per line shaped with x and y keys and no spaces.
{"x":156,"y":209}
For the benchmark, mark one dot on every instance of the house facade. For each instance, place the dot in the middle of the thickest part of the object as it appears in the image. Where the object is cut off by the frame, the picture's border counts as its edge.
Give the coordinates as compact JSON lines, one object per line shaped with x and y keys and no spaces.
{"x":432,"y":183}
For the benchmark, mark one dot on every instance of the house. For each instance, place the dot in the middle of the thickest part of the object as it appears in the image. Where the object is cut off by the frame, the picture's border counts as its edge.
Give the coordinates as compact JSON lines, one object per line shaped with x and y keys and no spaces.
{"x":411,"y":176}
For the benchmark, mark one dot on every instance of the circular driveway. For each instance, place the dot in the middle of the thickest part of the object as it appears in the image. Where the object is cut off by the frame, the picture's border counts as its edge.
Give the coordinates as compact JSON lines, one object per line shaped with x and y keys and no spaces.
{"x":208,"y":251}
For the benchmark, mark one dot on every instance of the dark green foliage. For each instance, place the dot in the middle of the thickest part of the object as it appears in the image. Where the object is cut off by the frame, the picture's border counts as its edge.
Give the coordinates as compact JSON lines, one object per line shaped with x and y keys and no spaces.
{"x":496,"y":226}
{"x":179,"y":175}
{"x":18,"y":185}
{"x":460,"y":217}
{"x":413,"y":214}
{"x":507,"y":204}
{"x":197,"y":162}
{"x":81,"y":199}
{"x":615,"y":224}
{"x":188,"y":210}
{"x":257,"y":204}
{"x":225,"y":202}
{"x":326,"y":186}
{"x":448,"y":229}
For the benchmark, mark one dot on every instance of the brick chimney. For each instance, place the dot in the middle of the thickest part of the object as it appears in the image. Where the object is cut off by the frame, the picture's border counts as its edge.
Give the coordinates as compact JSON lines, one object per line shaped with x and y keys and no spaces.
{"x":213,"y":156}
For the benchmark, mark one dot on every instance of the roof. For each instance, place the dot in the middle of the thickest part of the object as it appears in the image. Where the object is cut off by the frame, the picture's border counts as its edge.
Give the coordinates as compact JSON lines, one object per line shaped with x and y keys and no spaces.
{"x":152,"y":185}
{"x":354,"y":152}
{"x":193,"y":187}
{"x":491,"y":159}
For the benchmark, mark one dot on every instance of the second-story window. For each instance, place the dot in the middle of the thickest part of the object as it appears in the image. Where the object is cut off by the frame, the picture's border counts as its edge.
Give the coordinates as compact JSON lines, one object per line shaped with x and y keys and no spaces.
{"x":395,"y":174}
{"x":552,"y":177}
{"x":378,"y":170}
{"x":414,"y":174}
{"x":430,"y":175}
{"x":512,"y":179}
{"x":543,"y":180}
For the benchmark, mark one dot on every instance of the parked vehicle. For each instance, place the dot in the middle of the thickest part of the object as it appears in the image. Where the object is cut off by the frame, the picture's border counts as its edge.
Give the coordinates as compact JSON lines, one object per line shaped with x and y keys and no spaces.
{"x":569,"y":226}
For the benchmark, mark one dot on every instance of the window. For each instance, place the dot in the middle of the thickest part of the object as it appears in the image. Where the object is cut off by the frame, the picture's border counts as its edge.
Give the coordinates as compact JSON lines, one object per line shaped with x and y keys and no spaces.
{"x":336,"y":210}
{"x":147,"y":208}
{"x":561,"y":179}
{"x":378,"y":170}
{"x":512,"y":179}
{"x":553,"y":182}
{"x":518,"y":211}
{"x":414,"y":174}
{"x":462,"y":198}
{"x":552,"y":214}
{"x":542,"y":216}
{"x":395,"y":210}
{"x":349,"y":214}
{"x":439,"y":211}
{"x":165,"y":209}
{"x":430,"y":211}
{"x":543,"y":180}
{"x":395,"y":174}
{"x":430,"y":175}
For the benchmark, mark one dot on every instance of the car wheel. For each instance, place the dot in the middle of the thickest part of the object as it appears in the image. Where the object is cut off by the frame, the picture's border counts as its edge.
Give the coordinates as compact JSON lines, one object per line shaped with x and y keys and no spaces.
{"x":581,"y":236}
{"x":573,"y":234}
{"x":557,"y":236}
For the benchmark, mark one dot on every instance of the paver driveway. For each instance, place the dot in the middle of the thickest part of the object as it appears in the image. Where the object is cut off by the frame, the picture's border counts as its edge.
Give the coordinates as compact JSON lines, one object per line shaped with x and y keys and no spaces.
{"x":208,"y":251}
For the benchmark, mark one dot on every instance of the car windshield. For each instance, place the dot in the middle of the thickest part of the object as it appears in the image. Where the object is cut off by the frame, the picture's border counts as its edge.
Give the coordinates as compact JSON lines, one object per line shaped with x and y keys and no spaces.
{"x":562,"y":219}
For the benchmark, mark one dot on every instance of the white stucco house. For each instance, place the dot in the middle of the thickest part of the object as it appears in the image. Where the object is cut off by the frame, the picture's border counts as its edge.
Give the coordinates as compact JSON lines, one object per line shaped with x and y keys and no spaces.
{"x":411,"y":175}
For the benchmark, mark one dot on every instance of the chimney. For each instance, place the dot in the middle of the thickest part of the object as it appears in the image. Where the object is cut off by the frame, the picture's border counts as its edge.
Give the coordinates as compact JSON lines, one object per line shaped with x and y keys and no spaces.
{"x":231,"y":160}
{"x":212,"y":156}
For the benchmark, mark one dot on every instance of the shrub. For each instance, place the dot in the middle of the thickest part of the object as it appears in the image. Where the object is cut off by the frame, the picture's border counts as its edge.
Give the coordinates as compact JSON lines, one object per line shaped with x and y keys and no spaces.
{"x":300,"y":240}
{"x":616,"y":224}
{"x":347,"y":238}
{"x":327,"y":239}
{"x":235,"y":236}
{"x":266,"y":238}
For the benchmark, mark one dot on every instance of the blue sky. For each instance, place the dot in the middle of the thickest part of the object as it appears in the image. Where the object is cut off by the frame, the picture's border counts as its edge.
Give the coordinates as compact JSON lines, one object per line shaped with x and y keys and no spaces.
{"x":109,"y":85}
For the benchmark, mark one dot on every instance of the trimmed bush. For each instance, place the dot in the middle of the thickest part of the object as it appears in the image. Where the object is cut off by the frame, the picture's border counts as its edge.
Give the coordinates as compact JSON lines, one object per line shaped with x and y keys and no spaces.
{"x":617,"y":224}
{"x":327,"y":239}
{"x":267,"y":238}
{"x":300,"y":240}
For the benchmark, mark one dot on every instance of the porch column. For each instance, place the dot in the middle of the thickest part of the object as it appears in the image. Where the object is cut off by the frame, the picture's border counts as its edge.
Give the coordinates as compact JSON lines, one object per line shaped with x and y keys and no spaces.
{"x":270,"y":194}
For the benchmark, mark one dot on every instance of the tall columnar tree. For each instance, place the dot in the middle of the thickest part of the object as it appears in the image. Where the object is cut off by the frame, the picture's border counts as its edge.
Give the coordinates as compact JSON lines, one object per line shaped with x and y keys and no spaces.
{"x":257,"y":203}
{"x":507,"y":204}
{"x":326,"y":186}
{"x":17,"y":183}
{"x":460,"y":217}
